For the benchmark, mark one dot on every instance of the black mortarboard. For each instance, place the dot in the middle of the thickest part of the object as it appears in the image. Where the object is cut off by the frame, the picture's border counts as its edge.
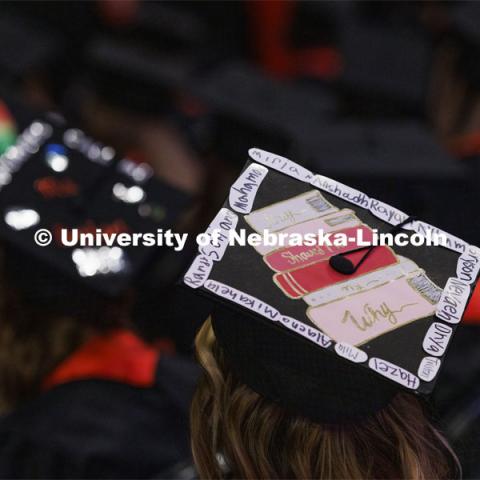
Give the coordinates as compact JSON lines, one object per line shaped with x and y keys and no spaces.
{"x":21,"y":113}
{"x":313,"y":24}
{"x":58,"y":177}
{"x":239,"y":89}
{"x":464,"y":18}
{"x":399,"y":161}
{"x":30,"y":46}
{"x":249,"y":106}
{"x":305,"y":330}
{"x":138,"y":76}
{"x":385,"y":66}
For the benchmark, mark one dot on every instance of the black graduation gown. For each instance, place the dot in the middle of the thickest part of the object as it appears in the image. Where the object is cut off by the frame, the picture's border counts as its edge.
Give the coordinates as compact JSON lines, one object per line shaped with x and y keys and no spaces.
{"x":103,"y":429}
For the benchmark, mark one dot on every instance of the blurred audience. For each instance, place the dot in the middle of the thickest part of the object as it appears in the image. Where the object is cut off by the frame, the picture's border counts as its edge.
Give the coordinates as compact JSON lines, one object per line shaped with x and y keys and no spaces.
{"x":82,"y":396}
{"x":381,"y":95}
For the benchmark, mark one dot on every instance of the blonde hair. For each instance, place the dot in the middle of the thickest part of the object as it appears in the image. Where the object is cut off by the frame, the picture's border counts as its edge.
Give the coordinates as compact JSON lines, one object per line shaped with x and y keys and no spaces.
{"x":236,"y":433}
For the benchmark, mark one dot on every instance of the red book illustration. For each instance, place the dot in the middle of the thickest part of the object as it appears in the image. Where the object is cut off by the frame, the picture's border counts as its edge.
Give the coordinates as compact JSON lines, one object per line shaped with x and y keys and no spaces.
{"x":299,"y":256}
{"x":297,"y":283}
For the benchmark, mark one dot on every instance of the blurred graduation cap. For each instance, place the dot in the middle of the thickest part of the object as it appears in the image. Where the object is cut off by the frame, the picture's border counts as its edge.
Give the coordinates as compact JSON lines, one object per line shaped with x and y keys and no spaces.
{"x":329,"y":331}
{"x":464,"y":18}
{"x":314,"y":23}
{"x":404,"y":56}
{"x":171,"y":24}
{"x":8,"y":128}
{"x":404,"y":150}
{"x":20,"y":114}
{"x":399,"y":161}
{"x":56,"y":177}
{"x":138,"y":77}
{"x":27,"y":46}
{"x":250,"y":107}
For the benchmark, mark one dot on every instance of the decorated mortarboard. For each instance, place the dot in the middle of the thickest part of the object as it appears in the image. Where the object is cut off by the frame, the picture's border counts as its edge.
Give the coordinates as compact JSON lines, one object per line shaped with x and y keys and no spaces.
{"x":330,"y":331}
{"x":55,"y":178}
{"x":8,"y":129}
{"x":17,"y":114}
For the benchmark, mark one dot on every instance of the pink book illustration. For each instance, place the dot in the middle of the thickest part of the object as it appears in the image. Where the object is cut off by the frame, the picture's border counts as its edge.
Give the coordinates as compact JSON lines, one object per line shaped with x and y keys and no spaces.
{"x":360,"y":318}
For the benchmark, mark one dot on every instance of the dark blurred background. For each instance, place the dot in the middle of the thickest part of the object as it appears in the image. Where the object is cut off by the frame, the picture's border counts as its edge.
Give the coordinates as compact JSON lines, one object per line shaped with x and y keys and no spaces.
{"x":384,"y":96}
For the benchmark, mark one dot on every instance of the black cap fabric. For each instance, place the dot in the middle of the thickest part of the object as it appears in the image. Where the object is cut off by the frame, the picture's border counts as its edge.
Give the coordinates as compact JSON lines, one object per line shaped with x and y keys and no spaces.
{"x":237,"y":89}
{"x":330,"y":345}
{"x":294,"y":373}
{"x":398,"y":161}
{"x":56,"y":177}
{"x":143,"y":80}
{"x":31,"y":46}
{"x":248,"y":106}
{"x":464,"y":18}
{"x":405,"y":54}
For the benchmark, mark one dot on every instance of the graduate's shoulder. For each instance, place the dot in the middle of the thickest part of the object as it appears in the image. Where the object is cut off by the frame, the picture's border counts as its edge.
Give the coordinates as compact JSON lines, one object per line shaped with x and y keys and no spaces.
{"x":92,"y":422}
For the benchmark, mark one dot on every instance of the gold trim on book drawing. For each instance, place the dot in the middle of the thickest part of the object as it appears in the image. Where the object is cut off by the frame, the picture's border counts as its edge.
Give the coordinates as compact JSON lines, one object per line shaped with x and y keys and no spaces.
{"x":301,"y":296}
{"x":294,"y":285}
{"x":353,"y":294}
{"x":373,"y":336}
{"x":311,"y":220}
{"x":373,"y":288}
{"x":309,"y":192}
{"x":429,"y":300}
{"x":327,"y":220}
{"x":313,"y":246}
{"x":413,"y":273}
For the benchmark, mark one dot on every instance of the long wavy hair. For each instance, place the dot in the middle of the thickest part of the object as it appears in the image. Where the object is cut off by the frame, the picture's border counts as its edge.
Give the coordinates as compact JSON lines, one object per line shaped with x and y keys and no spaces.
{"x":236,"y":433}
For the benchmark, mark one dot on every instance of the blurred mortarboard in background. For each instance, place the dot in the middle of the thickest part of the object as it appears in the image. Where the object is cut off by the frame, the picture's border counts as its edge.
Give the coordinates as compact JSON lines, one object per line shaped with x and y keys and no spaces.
{"x":8,"y":127}
{"x":57,"y":177}
{"x":27,"y":46}
{"x":168,"y":44}
{"x":171,"y":25}
{"x":249,"y":106}
{"x":386,"y":67}
{"x":399,"y":161}
{"x":21,"y":114}
{"x":211,"y":28}
{"x":326,"y":342}
{"x":464,"y":18}
{"x":132,"y":76}
{"x":315,"y":23}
